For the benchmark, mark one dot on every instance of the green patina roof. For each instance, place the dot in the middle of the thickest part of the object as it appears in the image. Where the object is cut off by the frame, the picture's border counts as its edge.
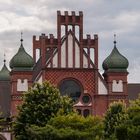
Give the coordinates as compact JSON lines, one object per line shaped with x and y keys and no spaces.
{"x":115,"y":62}
{"x":22,"y":60}
{"x":4,"y":74}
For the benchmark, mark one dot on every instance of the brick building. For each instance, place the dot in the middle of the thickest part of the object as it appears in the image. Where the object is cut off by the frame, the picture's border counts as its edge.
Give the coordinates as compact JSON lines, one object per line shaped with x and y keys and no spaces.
{"x":70,"y":62}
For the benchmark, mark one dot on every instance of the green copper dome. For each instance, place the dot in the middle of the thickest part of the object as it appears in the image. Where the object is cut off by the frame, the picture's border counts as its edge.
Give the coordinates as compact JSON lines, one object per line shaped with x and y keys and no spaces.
{"x":115,"y":62}
{"x":4,"y":74}
{"x":22,"y":60}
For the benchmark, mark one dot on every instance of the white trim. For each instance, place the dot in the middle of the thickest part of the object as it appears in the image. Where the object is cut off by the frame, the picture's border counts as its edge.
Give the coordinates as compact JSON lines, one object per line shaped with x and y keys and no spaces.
{"x":102,"y":90}
{"x":117,"y":86}
{"x":22,"y":85}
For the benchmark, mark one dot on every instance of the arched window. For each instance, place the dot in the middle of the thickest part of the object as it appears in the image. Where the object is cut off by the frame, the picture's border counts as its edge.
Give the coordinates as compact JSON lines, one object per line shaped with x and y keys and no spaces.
{"x":79,"y":111}
{"x":70,"y":88}
{"x":86,"y":112}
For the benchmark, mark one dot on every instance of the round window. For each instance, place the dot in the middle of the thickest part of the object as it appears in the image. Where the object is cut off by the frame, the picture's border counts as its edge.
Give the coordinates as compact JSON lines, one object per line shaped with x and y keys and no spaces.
{"x":86,"y":99}
{"x":70,"y":88}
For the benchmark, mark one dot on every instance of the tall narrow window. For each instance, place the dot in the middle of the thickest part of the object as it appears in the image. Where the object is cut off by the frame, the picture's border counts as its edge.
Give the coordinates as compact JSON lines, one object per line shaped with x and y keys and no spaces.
{"x":77,"y":32}
{"x":69,"y":27}
{"x":62,"y":31}
{"x":37,"y":54}
{"x":79,"y":111}
{"x":86,"y":112}
{"x":92,"y":54}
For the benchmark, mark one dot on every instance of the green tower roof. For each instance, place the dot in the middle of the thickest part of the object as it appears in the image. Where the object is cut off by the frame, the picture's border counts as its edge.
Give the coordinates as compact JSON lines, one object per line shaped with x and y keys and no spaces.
{"x":22,"y":60}
{"x":115,"y":62}
{"x":4,"y":73}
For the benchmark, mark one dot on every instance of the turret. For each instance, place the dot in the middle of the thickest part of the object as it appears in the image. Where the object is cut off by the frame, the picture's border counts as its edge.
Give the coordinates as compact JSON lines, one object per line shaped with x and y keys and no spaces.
{"x":115,"y":74}
{"x":22,"y":60}
{"x":5,"y":91}
{"x":115,"y":62}
{"x":21,"y":76}
{"x":4,"y":73}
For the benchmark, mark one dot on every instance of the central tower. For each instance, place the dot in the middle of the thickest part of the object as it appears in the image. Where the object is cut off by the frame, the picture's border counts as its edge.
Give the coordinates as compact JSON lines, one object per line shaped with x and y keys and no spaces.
{"x":69,"y":61}
{"x":74,"y":23}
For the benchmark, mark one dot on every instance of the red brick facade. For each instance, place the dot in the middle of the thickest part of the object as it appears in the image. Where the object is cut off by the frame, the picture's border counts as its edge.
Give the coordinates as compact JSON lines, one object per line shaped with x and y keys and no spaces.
{"x":69,"y":58}
{"x":16,"y":96}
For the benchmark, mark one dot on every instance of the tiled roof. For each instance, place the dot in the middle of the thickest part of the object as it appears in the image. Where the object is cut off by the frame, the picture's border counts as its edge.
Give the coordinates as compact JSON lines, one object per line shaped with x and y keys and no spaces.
{"x":133,"y":90}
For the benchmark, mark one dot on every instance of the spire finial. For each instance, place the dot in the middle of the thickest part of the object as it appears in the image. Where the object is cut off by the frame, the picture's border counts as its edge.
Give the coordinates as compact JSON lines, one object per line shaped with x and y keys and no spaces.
{"x":4,"y":59}
{"x":21,"y":37}
{"x":115,"y":40}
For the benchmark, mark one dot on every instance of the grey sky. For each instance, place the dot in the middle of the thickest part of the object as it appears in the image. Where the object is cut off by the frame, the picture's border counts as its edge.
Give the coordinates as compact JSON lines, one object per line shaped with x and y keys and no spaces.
{"x":102,"y":17}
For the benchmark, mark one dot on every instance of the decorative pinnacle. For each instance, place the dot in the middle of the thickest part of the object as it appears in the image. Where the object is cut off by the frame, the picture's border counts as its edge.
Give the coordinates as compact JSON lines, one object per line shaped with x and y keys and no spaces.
{"x":21,"y":37}
{"x":115,"y":40}
{"x":4,"y":59}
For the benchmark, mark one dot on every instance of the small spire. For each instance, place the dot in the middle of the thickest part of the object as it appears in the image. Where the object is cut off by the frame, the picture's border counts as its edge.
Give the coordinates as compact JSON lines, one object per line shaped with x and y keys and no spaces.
{"x":115,"y":40}
{"x":21,"y":37}
{"x":4,"y":59}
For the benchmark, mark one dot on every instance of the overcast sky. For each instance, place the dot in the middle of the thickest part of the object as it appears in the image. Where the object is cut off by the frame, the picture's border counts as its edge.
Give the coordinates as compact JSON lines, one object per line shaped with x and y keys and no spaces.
{"x":102,"y":17}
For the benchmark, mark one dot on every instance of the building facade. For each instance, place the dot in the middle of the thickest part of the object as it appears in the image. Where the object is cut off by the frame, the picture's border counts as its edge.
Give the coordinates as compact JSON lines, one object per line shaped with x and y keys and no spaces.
{"x":70,"y":62}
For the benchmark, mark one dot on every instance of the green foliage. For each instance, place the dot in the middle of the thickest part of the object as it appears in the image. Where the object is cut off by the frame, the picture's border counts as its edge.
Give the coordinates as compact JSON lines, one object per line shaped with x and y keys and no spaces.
{"x":69,"y":127}
{"x":45,"y":115}
{"x":121,"y":132}
{"x":41,"y":103}
{"x":2,"y":120}
{"x":130,"y":128}
{"x":113,"y":117}
{"x":134,"y":108}
{"x":4,"y":123}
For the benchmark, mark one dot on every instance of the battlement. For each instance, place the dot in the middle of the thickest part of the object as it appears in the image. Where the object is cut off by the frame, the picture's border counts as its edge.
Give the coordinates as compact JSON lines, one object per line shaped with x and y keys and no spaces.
{"x":70,"y":19}
{"x":66,"y":13}
{"x":47,"y":39}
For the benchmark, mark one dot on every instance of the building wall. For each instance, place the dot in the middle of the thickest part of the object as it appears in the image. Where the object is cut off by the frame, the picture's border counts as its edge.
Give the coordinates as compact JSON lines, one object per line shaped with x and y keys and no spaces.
{"x":5,"y":98}
{"x":69,"y":57}
{"x":85,"y":77}
{"x":5,"y":136}
{"x":18,"y":88}
{"x":100,"y":104}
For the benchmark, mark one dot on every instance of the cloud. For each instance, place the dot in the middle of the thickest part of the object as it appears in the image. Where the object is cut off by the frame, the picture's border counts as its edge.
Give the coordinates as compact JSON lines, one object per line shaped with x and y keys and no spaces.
{"x":103,"y":17}
{"x":12,"y":21}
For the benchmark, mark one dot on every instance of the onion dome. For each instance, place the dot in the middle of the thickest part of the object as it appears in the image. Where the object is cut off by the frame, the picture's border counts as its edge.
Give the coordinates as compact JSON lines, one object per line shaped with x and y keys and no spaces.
{"x":22,"y":60}
{"x":115,"y":62}
{"x":4,"y":73}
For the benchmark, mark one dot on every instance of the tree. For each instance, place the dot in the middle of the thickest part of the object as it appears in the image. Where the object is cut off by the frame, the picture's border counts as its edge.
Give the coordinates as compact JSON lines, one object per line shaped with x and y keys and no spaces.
{"x":134,"y":120}
{"x":114,"y":116}
{"x":69,"y":127}
{"x":40,"y":104}
{"x":130,"y":128}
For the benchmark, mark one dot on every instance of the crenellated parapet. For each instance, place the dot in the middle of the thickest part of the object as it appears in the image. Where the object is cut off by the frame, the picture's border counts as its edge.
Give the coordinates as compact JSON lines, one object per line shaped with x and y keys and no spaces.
{"x":70,"y":19}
